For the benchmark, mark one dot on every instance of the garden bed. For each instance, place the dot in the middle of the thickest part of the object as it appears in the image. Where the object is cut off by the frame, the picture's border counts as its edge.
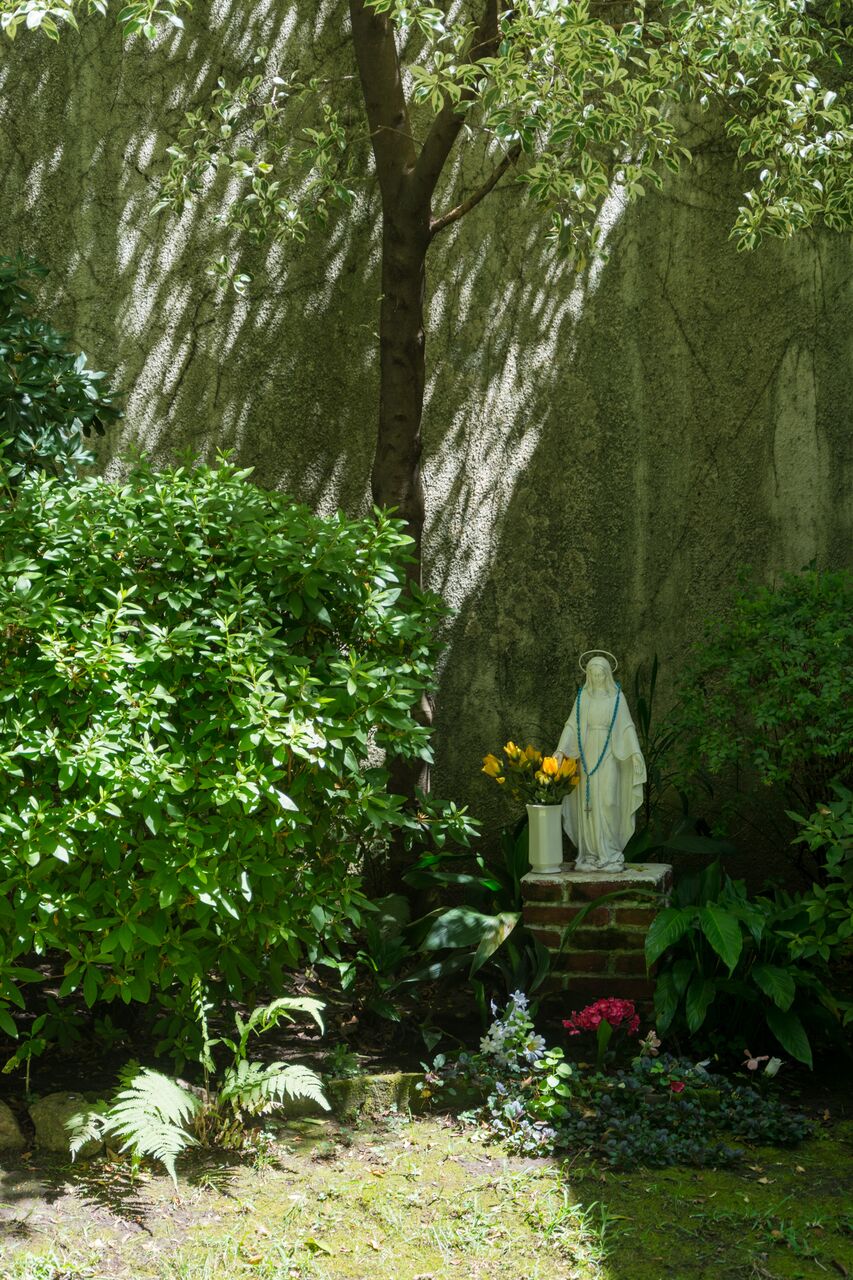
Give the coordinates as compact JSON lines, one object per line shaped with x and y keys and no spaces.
{"x":421,"y":1199}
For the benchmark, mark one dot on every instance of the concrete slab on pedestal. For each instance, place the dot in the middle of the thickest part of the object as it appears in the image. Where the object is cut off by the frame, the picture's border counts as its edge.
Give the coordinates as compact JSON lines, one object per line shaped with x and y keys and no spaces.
{"x":567,"y":884}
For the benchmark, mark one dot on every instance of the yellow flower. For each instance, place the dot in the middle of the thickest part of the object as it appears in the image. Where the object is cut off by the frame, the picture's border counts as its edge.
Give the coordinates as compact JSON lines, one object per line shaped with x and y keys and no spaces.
{"x":543,"y":778}
{"x":512,"y":751}
{"x":550,"y":766}
{"x":568,"y":768}
{"x":533,"y":755}
{"x":492,"y":765}
{"x":500,"y":781}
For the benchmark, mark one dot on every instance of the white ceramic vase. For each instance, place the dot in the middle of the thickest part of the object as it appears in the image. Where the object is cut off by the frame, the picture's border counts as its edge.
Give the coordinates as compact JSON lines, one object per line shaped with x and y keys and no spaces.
{"x":546,"y":837}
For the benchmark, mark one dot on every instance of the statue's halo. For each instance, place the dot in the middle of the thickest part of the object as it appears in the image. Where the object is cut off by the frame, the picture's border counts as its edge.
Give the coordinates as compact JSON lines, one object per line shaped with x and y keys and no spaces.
{"x":589,"y":653}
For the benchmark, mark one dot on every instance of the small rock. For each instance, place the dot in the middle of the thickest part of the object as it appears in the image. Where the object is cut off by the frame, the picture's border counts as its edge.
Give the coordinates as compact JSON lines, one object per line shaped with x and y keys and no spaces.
{"x":11,"y":1138}
{"x":49,"y":1115}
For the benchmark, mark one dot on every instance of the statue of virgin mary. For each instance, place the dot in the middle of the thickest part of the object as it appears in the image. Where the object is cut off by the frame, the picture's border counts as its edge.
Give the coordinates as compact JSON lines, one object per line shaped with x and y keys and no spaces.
{"x":599,"y":813}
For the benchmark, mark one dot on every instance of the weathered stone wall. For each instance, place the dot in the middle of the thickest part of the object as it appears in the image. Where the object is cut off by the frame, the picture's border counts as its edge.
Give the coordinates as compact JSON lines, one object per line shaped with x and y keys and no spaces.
{"x":602,"y":452}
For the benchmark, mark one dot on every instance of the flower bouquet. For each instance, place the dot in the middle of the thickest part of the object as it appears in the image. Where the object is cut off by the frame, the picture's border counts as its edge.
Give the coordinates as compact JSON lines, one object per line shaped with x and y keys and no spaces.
{"x":531,"y":777}
{"x":541,"y":782}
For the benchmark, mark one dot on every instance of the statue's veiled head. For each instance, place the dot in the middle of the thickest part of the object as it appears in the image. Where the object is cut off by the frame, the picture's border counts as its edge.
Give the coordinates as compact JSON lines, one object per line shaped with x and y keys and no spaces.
{"x":599,"y":675}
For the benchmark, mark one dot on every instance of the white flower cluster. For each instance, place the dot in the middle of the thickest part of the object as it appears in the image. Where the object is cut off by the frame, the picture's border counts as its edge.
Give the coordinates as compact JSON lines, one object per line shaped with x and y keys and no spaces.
{"x":511,"y":1041}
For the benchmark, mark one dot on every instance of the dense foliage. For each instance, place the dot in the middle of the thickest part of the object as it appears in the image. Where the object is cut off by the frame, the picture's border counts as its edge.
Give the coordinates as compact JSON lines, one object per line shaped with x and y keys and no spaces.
{"x":770,"y":688}
{"x":734,"y":966}
{"x":658,"y":1111}
{"x":823,"y":926}
{"x":580,"y":102}
{"x":50,"y":400}
{"x":193,"y":674}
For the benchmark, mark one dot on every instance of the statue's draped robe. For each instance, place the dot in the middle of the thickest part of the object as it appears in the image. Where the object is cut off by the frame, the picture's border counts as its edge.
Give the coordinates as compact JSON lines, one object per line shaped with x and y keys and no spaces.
{"x":600,"y":833}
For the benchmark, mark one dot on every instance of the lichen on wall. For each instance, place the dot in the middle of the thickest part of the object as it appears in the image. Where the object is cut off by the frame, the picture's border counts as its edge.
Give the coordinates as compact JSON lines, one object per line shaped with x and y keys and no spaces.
{"x":602,"y":452}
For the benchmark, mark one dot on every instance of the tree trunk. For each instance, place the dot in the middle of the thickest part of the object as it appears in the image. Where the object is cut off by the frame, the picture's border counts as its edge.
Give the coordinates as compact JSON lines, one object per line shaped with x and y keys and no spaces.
{"x":396,"y":479}
{"x":407,"y":181}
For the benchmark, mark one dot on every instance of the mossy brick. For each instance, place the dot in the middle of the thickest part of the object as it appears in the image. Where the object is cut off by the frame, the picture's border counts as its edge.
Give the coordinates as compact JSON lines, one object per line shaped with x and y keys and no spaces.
{"x":561,"y":915}
{"x":605,"y":940}
{"x":550,"y":938}
{"x":590,"y":962}
{"x":641,"y":917}
{"x":375,"y":1095}
{"x":542,"y":889}
{"x":583,"y":989}
{"x":630,"y":962}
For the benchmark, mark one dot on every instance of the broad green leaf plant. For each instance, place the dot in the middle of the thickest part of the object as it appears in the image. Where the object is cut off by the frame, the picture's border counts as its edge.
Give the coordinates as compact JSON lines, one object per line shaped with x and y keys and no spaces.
{"x":729,"y":964}
{"x":50,"y":400}
{"x":193,"y":674}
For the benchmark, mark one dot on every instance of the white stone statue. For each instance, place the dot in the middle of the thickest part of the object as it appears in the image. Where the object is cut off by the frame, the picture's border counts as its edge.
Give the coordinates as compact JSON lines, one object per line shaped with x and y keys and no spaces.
{"x":599,"y":813}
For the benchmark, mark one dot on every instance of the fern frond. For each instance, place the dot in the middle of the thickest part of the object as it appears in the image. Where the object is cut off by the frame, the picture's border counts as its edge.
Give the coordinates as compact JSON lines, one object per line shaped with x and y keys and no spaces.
{"x":150,"y":1115}
{"x":266,"y":1015}
{"x":252,"y":1087}
{"x":201,"y":1007}
{"x":128,"y":1073}
{"x":87,"y":1126}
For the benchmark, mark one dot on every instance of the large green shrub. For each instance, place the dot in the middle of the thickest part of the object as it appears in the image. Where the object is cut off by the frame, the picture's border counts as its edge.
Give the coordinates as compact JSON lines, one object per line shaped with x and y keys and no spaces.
{"x":193,"y":674}
{"x":735,"y":970}
{"x":770,"y":687}
{"x":50,"y":400}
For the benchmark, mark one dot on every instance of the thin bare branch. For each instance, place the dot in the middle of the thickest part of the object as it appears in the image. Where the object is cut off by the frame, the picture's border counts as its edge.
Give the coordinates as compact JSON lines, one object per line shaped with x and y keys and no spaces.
{"x":465,"y":206}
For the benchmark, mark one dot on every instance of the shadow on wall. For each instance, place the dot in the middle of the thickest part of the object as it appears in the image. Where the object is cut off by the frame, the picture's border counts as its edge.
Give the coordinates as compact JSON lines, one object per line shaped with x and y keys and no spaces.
{"x":602,"y":453}
{"x":623,"y":447}
{"x":283,"y":376}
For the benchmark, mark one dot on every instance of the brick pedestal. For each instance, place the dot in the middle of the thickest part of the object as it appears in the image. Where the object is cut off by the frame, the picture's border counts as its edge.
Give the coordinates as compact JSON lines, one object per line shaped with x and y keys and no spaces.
{"x":604,"y":955}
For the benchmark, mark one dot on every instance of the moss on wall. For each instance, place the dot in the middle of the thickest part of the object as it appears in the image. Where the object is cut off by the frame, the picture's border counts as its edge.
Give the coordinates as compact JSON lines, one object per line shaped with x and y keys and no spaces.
{"x":602,"y":452}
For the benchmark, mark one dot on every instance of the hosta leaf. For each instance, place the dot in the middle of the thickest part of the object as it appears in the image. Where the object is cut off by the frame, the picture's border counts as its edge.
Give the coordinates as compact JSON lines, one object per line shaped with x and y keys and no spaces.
{"x":494,"y":935}
{"x":666,"y":1001}
{"x":776,"y":983}
{"x":667,"y":928}
{"x":700,"y":995}
{"x":790,"y":1033}
{"x":723,"y":932}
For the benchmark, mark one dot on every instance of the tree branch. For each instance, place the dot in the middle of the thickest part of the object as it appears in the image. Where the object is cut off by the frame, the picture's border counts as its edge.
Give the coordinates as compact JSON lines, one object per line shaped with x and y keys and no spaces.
{"x":453,"y":215}
{"x":384,"y":100}
{"x":446,"y":125}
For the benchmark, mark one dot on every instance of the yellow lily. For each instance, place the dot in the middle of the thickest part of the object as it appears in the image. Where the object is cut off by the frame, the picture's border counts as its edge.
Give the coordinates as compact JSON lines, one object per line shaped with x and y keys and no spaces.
{"x":568,"y":768}
{"x":550,"y":766}
{"x":492,"y":765}
{"x":533,"y":755}
{"x":543,"y":778}
{"x":512,"y":751}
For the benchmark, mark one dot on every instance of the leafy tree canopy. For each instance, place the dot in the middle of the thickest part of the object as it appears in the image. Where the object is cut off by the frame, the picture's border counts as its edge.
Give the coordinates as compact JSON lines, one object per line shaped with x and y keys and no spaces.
{"x":580,"y":99}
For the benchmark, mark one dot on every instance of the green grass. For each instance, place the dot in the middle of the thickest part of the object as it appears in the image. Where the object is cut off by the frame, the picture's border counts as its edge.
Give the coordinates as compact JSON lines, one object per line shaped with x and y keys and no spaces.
{"x":423,"y":1200}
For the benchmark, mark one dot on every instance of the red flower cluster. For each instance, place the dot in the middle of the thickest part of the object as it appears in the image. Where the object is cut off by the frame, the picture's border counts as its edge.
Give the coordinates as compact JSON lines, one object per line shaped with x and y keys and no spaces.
{"x":619,"y":1013}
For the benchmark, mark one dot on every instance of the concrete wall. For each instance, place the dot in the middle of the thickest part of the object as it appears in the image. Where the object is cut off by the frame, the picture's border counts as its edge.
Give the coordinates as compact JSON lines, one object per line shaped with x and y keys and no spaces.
{"x":602,"y":452}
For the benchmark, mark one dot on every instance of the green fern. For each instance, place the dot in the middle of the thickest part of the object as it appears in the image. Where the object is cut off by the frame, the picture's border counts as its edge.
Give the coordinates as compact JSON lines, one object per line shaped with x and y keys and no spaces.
{"x":87,"y":1126}
{"x":265,"y":1017}
{"x":256,"y":1089}
{"x":151,"y":1116}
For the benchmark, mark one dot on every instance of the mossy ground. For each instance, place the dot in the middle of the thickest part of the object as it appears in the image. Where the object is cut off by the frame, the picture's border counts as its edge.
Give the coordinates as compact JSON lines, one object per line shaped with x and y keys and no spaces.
{"x":424,"y":1199}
